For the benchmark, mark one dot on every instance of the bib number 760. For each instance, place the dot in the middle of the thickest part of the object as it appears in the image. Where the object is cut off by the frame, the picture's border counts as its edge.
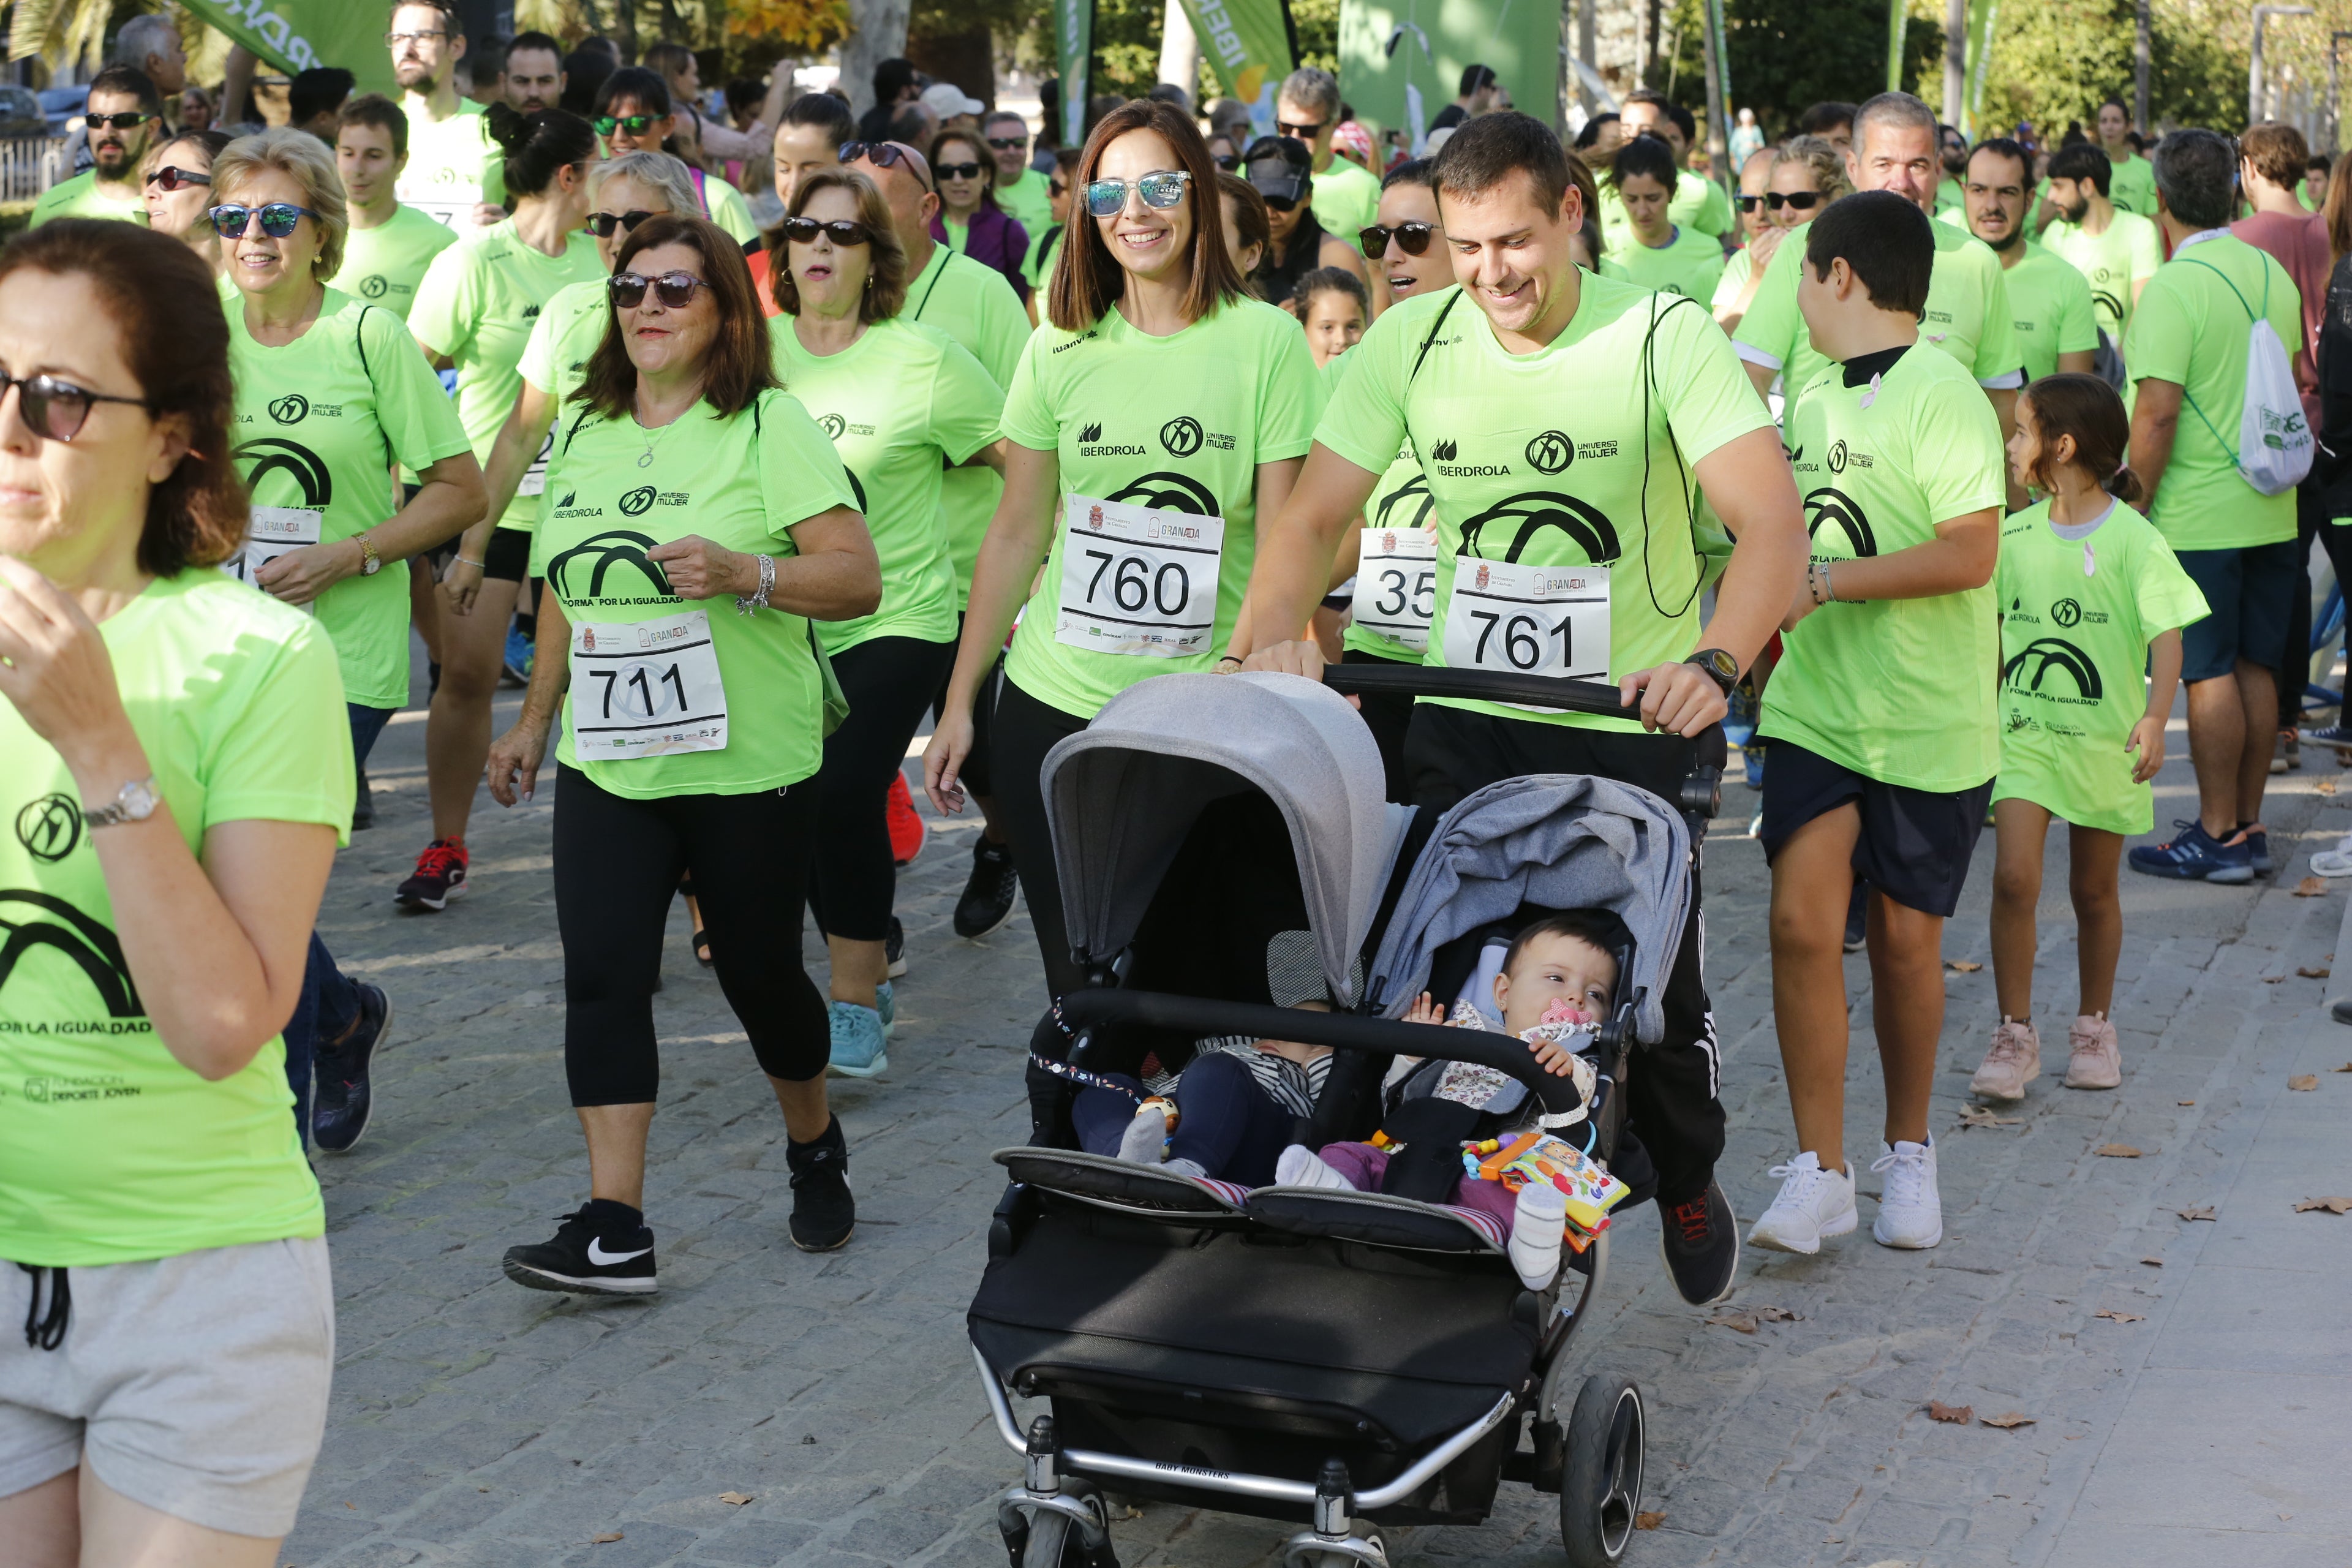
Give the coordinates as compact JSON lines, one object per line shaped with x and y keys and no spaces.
{"x":1138,"y":580}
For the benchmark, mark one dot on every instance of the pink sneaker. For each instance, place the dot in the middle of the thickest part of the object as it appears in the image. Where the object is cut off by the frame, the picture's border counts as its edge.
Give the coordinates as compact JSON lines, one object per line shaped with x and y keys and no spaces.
{"x":2097,"y":1061}
{"x":2014,"y":1061}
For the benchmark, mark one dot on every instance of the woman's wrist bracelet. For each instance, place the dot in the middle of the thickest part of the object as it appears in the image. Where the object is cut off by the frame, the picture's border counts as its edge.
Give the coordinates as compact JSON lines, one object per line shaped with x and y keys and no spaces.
{"x":1233,"y":658}
{"x":478,"y":565}
{"x":1829,"y":585}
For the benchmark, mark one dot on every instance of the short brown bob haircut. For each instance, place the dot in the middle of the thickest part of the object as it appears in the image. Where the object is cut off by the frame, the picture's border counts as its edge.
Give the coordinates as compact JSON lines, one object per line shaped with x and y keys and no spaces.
{"x":1089,"y":277}
{"x":886,"y":276}
{"x":741,"y":362}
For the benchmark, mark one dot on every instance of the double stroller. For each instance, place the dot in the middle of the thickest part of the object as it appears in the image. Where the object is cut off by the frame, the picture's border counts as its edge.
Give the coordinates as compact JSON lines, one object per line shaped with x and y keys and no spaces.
{"x":1342,"y":1359}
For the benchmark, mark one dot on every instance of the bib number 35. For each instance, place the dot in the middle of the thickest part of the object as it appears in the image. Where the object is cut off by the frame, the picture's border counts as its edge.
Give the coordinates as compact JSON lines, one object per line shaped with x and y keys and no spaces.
{"x":1138,"y":580}
{"x":645,"y":688}
{"x":1529,"y":620}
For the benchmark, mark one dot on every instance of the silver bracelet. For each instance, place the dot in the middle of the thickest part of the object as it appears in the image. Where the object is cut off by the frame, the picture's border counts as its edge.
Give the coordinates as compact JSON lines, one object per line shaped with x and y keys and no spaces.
{"x":1828,"y":586}
{"x":758,"y":599}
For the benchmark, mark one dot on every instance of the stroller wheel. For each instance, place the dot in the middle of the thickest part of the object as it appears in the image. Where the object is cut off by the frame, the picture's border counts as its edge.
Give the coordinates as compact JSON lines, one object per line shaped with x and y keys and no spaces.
{"x":1049,"y":1542}
{"x":1601,"y":1492}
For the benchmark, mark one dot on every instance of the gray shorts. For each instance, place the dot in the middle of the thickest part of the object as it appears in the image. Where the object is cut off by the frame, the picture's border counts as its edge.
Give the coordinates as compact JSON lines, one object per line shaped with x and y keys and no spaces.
{"x":194,"y":1385}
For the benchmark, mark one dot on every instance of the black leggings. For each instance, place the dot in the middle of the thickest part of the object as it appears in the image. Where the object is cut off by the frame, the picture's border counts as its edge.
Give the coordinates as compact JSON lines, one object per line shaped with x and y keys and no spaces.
{"x":1388,"y":716}
{"x":888,"y":682}
{"x":617,"y":863}
{"x":1024,"y":730}
{"x":976,"y":778}
{"x":2312,"y":522}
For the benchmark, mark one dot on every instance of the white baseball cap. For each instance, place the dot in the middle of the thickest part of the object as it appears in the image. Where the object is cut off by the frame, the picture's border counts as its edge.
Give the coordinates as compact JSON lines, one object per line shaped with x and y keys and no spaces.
{"x":946,"y":99}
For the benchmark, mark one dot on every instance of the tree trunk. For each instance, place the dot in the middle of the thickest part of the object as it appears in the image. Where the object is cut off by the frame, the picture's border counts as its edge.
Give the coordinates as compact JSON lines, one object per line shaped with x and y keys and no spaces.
{"x":878,"y":32}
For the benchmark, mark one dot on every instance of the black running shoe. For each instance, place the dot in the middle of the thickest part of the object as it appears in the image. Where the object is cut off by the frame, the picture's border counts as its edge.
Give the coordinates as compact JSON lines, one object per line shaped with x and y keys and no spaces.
{"x":602,"y":1248}
{"x":894,"y":948}
{"x":1700,"y":1241}
{"x":987,"y":901}
{"x":341,"y":1097}
{"x":362,"y":806}
{"x":823,"y":1212}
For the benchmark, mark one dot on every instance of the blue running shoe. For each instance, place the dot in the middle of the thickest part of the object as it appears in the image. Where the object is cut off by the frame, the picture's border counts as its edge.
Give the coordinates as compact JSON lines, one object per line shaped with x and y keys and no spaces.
{"x":886,"y":1005}
{"x":2257,"y":840}
{"x":2336,"y":734}
{"x":2196,"y":856}
{"x":518,"y":657}
{"x":858,"y":1037}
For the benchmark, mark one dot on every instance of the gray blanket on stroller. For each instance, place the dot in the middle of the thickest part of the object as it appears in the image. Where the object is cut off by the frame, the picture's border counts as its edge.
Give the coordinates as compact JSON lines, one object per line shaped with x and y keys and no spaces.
{"x":1565,"y":841}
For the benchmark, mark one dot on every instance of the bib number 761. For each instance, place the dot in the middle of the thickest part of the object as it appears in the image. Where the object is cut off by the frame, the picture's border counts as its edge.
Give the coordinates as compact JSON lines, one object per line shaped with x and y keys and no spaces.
{"x":1528,"y":620}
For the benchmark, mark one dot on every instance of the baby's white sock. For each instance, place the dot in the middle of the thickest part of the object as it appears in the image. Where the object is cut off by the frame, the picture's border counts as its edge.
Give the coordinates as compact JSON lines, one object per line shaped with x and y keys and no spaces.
{"x":1535,"y":1226}
{"x":1145,"y":1141}
{"x":1303,"y":1167}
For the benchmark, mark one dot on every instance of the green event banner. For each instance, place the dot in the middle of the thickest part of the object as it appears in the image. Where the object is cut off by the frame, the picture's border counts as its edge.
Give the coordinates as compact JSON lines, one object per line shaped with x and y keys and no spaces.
{"x":1074,"y":42}
{"x":1247,"y":45}
{"x":296,"y":34}
{"x":1401,"y":61}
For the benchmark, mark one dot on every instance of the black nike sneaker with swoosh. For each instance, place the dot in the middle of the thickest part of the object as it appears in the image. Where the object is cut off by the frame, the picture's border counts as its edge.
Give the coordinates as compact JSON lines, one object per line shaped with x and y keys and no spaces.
{"x":602,"y":1248}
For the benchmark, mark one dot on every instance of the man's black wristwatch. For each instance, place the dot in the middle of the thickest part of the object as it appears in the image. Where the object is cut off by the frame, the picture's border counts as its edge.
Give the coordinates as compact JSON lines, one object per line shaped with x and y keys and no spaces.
{"x":1720,"y":666}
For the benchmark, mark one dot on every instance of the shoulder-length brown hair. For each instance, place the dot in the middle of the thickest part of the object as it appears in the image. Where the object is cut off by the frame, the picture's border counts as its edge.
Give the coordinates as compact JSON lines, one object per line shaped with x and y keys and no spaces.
{"x":1090,"y":278}
{"x":739,"y":366}
{"x":886,"y":277}
{"x":972,"y":140}
{"x":174,"y":338}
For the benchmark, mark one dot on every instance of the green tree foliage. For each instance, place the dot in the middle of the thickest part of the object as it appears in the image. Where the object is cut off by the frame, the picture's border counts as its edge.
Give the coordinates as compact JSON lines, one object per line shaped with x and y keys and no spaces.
{"x":1786,"y":56}
{"x":2056,"y":60}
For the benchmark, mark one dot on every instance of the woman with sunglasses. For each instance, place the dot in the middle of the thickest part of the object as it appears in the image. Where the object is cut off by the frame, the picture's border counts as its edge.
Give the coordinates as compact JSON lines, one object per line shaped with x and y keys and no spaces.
{"x":1808,"y":174}
{"x":1038,"y":265}
{"x":177,"y":186}
{"x":1159,"y":401}
{"x":180,"y":738}
{"x":634,"y":115}
{"x":903,"y":403}
{"x":1659,"y":253}
{"x":329,"y":389}
{"x":695,"y":723}
{"x":476,"y":310}
{"x":970,"y":222}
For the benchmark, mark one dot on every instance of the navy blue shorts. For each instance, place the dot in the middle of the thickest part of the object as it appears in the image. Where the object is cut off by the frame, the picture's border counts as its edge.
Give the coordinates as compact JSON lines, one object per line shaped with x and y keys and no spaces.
{"x":2251,"y":590}
{"x":1915,"y":843}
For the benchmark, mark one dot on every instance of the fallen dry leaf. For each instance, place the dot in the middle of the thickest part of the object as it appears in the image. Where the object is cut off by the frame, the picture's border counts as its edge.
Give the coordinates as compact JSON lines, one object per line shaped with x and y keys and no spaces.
{"x":2310,"y":887}
{"x":2304,"y":1083}
{"x":735,"y":1500}
{"x":2333,"y":1205}
{"x":1776,"y":1315}
{"x":2325,"y":786}
{"x":2008,"y":1421}
{"x":1958,"y":1414}
{"x":604,"y":1539}
{"x":2308,"y":973}
{"x":1737,"y":1322}
{"x":2153,"y":1262}
{"x":2198,"y":1210}
{"x":1982,"y":1116}
{"x":2117,"y":1151}
{"x":2121,"y":1317}
{"x":2274,"y":979}
{"x":1962,"y":966}
{"x":2346,"y":1067}
{"x":2184,"y":1102}
{"x":1648,"y":1520}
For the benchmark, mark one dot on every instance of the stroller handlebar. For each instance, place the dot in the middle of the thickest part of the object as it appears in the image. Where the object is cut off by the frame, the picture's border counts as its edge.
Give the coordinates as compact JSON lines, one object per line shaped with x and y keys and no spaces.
{"x":1342,"y":1031}
{"x":1478,"y":685}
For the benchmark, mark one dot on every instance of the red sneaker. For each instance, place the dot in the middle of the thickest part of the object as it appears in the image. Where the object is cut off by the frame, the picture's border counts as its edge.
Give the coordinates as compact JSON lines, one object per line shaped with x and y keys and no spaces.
{"x":907,"y":829}
{"x":440,"y":876}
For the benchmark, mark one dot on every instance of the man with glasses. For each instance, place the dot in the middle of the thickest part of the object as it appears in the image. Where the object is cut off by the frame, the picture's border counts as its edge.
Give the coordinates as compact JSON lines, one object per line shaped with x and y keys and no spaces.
{"x":1020,"y":189}
{"x":456,"y":173}
{"x":1306,"y":108}
{"x":534,"y":77}
{"x":389,"y":245}
{"x":123,"y":112}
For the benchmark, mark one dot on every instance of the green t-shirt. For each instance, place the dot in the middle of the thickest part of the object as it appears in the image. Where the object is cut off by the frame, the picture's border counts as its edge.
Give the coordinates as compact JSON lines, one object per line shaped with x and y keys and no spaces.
{"x":729,"y":210}
{"x":1689,"y":264}
{"x":959,"y":239}
{"x":384,"y":265}
{"x":1029,"y":198}
{"x":1037,"y":266}
{"x":555,"y":359}
{"x":1698,"y":203}
{"x":478,"y":304}
{"x":1527,"y":466}
{"x":317,"y":425}
{"x":2076,"y":618}
{"x":2190,"y":328}
{"x":1178,"y":424}
{"x":2051,"y":304}
{"x":110,"y":1151}
{"x":1347,"y":197}
{"x":1950,"y":199}
{"x":1900,"y":690}
{"x":1968,"y":317}
{"x":452,"y":165}
{"x":1396,"y":585}
{"x":1735,"y":268}
{"x":897,"y":402}
{"x":973,"y":303}
{"x":742,"y":483}
{"x":2131,"y":186}
{"x":80,"y":197}
{"x":2115,"y":262}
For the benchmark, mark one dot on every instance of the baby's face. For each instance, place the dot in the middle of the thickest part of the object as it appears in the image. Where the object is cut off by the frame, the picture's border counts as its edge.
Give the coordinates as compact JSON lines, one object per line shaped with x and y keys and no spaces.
{"x":1555,"y":968}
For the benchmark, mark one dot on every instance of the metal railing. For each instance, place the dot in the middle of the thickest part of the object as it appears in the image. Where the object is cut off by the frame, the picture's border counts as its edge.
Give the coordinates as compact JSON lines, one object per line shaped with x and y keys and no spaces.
{"x":31,"y":165}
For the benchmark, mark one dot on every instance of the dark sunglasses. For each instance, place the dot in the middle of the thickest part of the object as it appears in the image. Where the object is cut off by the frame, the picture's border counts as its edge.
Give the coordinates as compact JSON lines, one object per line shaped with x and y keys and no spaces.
{"x":601,"y":225}
{"x":1803,"y":200}
{"x":1008,"y":143}
{"x":1412,"y":238}
{"x":174,"y":179}
{"x":130,"y":119}
{"x":634,"y":124}
{"x":1303,"y":133}
{"x":278,"y":219}
{"x":1108,"y":198}
{"x":841,"y":231}
{"x":958,"y":171}
{"x":1058,"y":187}
{"x":674,"y":289}
{"x":882,"y":156}
{"x":56,"y":410}
{"x":1228,"y":162}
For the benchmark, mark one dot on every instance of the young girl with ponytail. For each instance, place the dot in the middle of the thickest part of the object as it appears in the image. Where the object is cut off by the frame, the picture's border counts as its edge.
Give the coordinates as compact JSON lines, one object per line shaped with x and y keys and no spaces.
{"x":2092,"y":604}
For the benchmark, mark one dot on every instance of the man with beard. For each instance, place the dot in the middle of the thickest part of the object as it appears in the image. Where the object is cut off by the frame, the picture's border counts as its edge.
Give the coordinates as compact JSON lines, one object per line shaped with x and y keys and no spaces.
{"x":456,"y":174}
{"x":534,"y":75}
{"x":123,"y":112}
{"x":2117,"y":251}
{"x":1954,"y":148}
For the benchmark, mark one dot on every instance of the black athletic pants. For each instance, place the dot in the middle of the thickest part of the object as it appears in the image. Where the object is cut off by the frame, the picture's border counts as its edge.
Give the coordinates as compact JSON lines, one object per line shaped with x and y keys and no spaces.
{"x":888,"y":682}
{"x":976,"y":777}
{"x":2311,"y":521}
{"x":617,"y":862}
{"x":1023,"y":730}
{"x":1387,"y":716}
{"x":1671,"y":1088}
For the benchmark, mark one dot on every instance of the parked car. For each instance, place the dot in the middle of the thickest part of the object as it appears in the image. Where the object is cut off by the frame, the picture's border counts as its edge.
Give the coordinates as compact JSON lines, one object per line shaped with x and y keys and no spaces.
{"x":62,"y":104}
{"x":21,"y":115}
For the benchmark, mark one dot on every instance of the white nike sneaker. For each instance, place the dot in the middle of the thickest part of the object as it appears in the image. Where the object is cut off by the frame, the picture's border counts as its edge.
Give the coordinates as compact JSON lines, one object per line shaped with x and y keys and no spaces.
{"x":1813,"y":1204}
{"x":1537,"y":1222}
{"x":1911,"y":1212}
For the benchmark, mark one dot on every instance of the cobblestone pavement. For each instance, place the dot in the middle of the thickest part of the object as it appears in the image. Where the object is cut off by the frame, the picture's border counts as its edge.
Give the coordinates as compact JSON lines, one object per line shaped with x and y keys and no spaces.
{"x":477,"y":1423}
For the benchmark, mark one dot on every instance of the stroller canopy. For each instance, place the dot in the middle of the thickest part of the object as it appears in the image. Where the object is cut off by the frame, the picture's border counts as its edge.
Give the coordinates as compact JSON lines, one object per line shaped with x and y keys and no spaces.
{"x":1122,"y":793}
{"x":1564,"y":841}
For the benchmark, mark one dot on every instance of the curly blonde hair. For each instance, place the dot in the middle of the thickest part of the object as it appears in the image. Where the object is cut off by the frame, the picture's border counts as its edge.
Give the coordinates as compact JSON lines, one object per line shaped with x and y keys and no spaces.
{"x":1825,"y":159}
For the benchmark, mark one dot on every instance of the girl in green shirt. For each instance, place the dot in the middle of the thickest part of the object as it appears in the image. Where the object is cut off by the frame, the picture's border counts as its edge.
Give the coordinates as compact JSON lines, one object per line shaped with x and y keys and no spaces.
{"x":1663,"y":255}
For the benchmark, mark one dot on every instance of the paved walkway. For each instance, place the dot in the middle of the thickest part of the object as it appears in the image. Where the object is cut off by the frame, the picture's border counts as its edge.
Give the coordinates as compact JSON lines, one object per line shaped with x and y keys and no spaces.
{"x":2202,"y":1421}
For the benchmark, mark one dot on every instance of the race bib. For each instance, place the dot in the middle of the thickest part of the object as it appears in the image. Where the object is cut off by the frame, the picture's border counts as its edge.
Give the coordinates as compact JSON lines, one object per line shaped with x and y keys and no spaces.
{"x":534,"y":479}
{"x":274,"y":531}
{"x":645,"y":688}
{"x":1531,"y":620}
{"x":450,"y":206}
{"x":1396,"y":584}
{"x":1138,"y":580}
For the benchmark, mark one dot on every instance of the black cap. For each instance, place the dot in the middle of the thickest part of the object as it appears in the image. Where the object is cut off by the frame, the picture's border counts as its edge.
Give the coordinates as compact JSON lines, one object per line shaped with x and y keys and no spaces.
{"x":1280,"y":167}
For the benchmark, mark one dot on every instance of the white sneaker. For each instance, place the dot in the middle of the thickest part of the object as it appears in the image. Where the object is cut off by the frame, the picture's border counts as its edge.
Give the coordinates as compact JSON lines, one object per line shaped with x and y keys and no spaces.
{"x":1910,"y":1213}
{"x":1813,"y":1204}
{"x":2335,"y":862}
{"x":1300,"y":1166}
{"x":1537,"y":1223}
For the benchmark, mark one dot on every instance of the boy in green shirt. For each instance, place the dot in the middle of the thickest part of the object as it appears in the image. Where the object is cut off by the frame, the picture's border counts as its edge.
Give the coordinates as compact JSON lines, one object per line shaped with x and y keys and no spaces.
{"x":1881,"y":714}
{"x":389,"y":245}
